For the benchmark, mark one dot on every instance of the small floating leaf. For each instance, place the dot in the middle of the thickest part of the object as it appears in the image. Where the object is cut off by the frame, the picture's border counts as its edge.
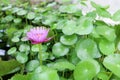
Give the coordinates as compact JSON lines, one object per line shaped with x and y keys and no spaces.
{"x":86,"y":70}
{"x":59,"y":49}
{"x":112,"y":62}
{"x":68,"y":40}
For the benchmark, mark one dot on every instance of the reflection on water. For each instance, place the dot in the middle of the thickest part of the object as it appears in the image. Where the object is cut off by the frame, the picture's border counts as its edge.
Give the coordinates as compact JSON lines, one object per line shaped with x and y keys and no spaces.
{"x":0,"y":40}
{"x":2,"y":52}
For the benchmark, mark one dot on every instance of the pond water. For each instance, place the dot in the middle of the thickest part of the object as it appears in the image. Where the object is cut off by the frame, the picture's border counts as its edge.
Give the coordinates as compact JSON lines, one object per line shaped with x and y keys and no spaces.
{"x":2,"y":52}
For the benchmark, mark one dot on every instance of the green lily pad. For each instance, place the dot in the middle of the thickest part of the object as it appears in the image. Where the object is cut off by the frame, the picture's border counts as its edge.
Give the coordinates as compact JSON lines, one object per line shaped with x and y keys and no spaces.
{"x":112,"y":62}
{"x":69,"y":27}
{"x":106,"y":32}
{"x":17,"y":20}
{"x":107,"y":47}
{"x":24,"y":48}
{"x":35,"y":48}
{"x":15,"y":9}
{"x":9,"y":18}
{"x":60,"y":24}
{"x":84,"y":26}
{"x":69,"y":8}
{"x":21,"y":12}
{"x":63,"y":65}
{"x":21,"y":57}
{"x":19,"y":77}
{"x":24,"y":39}
{"x":45,"y":56}
{"x":59,"y":50}
{"x":46,"y":75}
{"x":41,"y":69}
{"x":49,"y":19}
{"x":37,"y":19}
{"x":18,"y":33}
{"x":12,"y":50}
{"x":95,"y":34}
{"x":6,"y":7}
{"x":103,"y":76}
{"x":86,"y":69}
{"x":15,"y":39}
{"x":87,"y":48}
{"x":31,"y":15}
{"x":68,"y":39}
{"x":32,"y":65}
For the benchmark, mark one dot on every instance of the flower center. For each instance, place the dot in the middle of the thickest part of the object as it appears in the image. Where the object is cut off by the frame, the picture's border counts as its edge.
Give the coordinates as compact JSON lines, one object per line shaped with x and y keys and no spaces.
{"x":40,"y":34}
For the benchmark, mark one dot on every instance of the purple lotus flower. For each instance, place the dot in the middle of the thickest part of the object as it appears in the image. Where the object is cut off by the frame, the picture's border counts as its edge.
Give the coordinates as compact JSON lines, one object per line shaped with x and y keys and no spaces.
{"x":38,"y":35}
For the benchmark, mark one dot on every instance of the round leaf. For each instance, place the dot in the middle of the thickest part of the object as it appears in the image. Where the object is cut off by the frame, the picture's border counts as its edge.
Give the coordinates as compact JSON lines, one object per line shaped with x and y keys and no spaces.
{"x":21,"y":77}
{"x":107,"y":47}
{"x":86,"y":70}
{"x":106,"y":32}
{"x":69,"y":8}
{"x":12,"y":50}
{"x":32,"y":65}
{"x":68,"y":40}
{"x":24,"y":48}
{"x":17,"y":20}
{"x":46,"y":75}
{"x":69,"y":27}
{"x":31,"y":15}
{"x":35,"y":48}
{"x":103,"y":76}
{"x":84,"y":26}
{"x":87,"y":48}
{"x":44,"y":56}
{"x":21,"y":12}
{"x":60,"y":24}
{"x":95,"y":34}
{"x":9,"y":18}
{"x":41,"y":69}
{"x":15,"y":9}
{"x":59,"y":49}
{"x":49,"y":19}
{"x":15,"y":39}
{"x":63,"y":65}
{"x":112,"y":62}
{"x":21,"y":57}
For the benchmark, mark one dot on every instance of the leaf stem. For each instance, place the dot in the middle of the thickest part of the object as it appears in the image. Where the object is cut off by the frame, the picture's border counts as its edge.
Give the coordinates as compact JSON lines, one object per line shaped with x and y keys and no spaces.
{"x":63,"y":74}
{"x":22,"y":68}
{"x":40,"y":53}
